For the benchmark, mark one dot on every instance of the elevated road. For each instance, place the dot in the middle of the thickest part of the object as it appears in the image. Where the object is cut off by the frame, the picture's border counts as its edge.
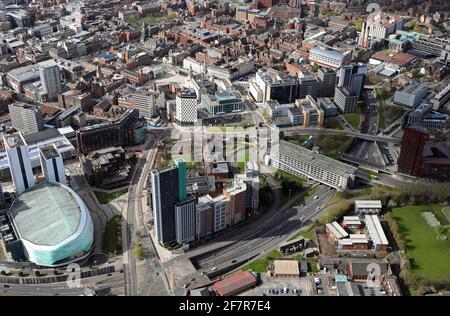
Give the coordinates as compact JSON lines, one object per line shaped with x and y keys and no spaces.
{"x":290,"y":131}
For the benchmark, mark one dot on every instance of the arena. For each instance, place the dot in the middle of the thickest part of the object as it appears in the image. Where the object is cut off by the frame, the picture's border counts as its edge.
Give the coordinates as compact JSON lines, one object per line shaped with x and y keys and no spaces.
{"x":53,"y":224}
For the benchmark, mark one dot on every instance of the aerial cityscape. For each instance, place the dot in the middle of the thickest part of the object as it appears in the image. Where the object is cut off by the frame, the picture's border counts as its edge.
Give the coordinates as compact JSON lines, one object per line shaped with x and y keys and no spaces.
{"x":249,"y":148}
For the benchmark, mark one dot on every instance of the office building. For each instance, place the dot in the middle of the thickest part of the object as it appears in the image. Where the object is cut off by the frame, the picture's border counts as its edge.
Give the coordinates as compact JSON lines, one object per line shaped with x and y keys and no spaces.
{"x":423,"y":116}
{"x":186,"y":107}
{"x":19,"y":162}
{"x":222,"y":102}
{"x":411,"y":149}
{"x":308,"y":85}
{"x":144,"y":101}
{"x":441,"y":98}
{"x":312,"y":114}
{"x":353,"y":77}
{"x":52,"y":164}
{"x":329,"y":58}
{"x":411,"y":95}
{"x":274,"y":85}
{"x":327,"y":79}
{"x":50,"y":79}
{"x":346,"y":100}
{"x":128,"y":130}
{"x":107,"y":168}
{"x":328,"y":107}
{"x":26,"y":118}
{"x":185,"y":221}
{"x":307,"y":164}
{"x":35,"y":141}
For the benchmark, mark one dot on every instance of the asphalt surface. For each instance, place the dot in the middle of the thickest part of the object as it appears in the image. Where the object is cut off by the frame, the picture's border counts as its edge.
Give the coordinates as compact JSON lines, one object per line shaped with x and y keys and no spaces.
{"x":257,"y":239}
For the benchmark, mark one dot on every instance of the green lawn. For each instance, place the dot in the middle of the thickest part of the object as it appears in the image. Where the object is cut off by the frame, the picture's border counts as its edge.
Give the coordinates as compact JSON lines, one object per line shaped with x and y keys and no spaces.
{"x":307,"y":233}
{"x":333,"y":146}
{"x":312,"y":266}
{"x":111,"y":236}
{"x":354,"y":119}
{"x":261,"y":265}
{"x":283,"y":174}
{"x":429,"y":255}
{"x":104,"y":198}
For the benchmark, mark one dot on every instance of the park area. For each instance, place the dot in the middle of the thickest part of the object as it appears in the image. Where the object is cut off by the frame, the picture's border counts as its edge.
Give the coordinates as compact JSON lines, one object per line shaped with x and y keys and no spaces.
{"x":427,"y":244}
{"x":137,"y":21}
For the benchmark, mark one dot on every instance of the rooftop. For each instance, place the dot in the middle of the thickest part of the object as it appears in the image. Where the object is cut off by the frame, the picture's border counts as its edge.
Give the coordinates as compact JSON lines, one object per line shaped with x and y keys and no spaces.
{"x":286,"y":267}
{"x":46,"y":223}
{"x":320,"y":161}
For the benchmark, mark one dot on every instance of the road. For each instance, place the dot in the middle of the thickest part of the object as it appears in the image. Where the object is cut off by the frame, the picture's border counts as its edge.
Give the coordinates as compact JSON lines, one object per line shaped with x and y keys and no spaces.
{"x":256,"y":239}
{"x":132,"y":213}
{"x":314,"y":131}
{"x":113,"y":281}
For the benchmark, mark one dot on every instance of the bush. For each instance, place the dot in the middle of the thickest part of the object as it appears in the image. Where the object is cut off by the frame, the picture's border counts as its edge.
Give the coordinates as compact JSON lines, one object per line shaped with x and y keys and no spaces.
{"x":139,"y":252}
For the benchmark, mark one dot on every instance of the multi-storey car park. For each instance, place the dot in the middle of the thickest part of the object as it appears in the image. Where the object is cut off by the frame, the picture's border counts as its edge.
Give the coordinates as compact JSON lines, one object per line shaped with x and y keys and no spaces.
{"x":308,"y":164}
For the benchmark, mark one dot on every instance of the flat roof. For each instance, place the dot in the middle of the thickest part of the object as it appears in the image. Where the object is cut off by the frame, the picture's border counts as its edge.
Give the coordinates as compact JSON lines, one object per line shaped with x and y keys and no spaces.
{"x":47,"y":223}
{"x":320,"y":161}
{"x":286,"y":267}
{"x":368,"y":204}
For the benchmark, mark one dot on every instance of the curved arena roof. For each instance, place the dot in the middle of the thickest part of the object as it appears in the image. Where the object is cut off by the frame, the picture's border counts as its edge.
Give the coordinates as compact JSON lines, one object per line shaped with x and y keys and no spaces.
{"x":53,"y":223}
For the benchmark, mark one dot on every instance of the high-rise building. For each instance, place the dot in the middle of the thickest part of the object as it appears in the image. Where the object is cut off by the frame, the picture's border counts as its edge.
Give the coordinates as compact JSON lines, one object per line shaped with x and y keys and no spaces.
{"x":185,"y":221}
{"x":345,"y":99}
{"x":173,"y":211}
{"x":19,"y":162}
{"x":327,"y":79}
{"x":2,"y":198}
{"x":236,"y":204}
{"x":353,"y":77}
{"x":165,"y":191}
{"x":52,"y":164}
{"x":144,"y":101}
{"x":411,"y":150}
{"x":26,"y":118}
{"x":186,"y":107}
{"x":50,"y":79}
{"x":308,"y":85}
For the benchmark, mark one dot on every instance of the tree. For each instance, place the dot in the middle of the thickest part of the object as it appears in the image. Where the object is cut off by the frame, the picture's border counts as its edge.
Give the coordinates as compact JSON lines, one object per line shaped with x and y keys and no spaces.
{"x":139,"y":252}
{"x":358,"y":24}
